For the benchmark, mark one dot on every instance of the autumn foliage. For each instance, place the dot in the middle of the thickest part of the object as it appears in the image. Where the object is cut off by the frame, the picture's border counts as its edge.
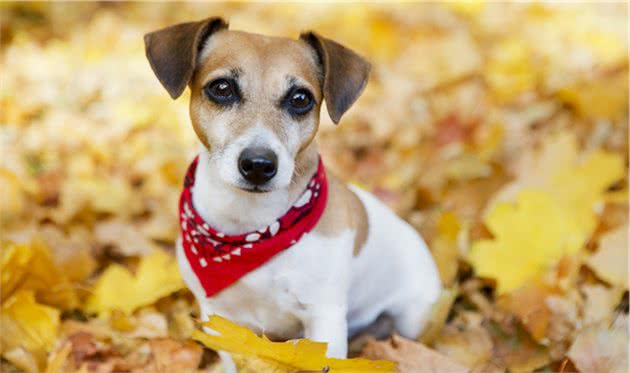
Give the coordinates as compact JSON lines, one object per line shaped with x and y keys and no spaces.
{"x":499,"y":131}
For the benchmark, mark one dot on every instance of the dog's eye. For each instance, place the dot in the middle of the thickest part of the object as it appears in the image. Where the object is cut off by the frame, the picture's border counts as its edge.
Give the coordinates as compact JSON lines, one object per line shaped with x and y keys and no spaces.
{"x":300,"y":101}
{"x":222,"y":91}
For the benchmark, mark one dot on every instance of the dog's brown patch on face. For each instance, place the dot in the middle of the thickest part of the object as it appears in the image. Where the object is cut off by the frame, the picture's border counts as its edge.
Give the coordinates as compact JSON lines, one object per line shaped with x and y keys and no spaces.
{"x":265,"y":68}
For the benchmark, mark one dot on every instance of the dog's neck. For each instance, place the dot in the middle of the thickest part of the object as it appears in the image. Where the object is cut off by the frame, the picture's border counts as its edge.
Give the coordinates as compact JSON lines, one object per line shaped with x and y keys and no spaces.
{"x":235,"y":211}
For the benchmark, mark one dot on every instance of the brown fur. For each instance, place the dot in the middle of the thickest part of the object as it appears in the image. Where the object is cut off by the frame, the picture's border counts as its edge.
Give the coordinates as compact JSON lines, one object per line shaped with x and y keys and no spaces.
{"x":172,"y":51}
{"x":344,"y":210}
{"x":196,"y":53}
{"x":345,"y":73}
{"x":284,"y":56}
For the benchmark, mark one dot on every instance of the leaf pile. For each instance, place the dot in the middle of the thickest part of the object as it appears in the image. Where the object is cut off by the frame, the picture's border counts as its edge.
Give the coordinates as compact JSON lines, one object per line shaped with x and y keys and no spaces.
{"x":498,"y":130}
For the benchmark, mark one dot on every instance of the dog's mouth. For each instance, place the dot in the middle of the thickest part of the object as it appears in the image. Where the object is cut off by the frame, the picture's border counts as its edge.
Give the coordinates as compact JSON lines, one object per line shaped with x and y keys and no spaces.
{"x":254,"y":189}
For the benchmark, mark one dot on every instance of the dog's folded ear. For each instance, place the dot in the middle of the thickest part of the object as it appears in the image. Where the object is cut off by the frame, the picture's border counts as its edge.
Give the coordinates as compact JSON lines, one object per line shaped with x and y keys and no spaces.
{"x":172,"y":51}
{"x":345,"y":73}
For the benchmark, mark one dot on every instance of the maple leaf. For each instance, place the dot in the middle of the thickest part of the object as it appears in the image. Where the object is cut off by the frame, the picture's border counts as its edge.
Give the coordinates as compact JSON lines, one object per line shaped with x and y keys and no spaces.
{"x":287,"y":356}
{"x":27,"y":325}
{"x":412,"y":356}
{"x":118,"y":289}
{"x":553,"y":214}
{"x":32,"y":267}
{"x":530,"y":235}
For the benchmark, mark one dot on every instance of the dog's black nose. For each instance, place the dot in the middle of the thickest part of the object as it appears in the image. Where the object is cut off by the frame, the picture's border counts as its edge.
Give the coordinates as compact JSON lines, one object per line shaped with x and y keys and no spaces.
{"x":258,"y":165}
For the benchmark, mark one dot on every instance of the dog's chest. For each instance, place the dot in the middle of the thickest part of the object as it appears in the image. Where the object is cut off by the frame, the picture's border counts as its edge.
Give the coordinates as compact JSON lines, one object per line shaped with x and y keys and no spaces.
{"x":275,"y":297}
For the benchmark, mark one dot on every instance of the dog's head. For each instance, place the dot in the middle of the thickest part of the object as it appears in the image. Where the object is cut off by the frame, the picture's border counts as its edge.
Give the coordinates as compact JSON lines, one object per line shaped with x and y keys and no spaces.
{"x":255,"y":100}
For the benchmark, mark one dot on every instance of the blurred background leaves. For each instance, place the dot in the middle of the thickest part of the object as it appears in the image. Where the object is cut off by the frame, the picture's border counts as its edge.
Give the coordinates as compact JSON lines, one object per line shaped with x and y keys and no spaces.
{"x":498,"y":130}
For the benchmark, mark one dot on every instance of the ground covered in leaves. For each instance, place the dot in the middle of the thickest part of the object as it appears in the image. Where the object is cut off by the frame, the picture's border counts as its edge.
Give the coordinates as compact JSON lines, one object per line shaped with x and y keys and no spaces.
{"x":499,"y":131}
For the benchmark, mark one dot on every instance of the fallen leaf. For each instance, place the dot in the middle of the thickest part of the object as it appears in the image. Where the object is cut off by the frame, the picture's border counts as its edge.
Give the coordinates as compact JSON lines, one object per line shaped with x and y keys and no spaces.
{"x":15,"y":259}
{"x":157,"y":276}
{"x":71,"y":251}
{"x":286,"y":357}
{"x":509,"y":71}
{"x":530,"y":236}
{"x":57,"y":359}
{"x":553,"y":215}
{"x":597,"y":350}
{"x":471,"y":347}
{"x":149,"y":323}
{"x":605,"y":97}
{"x":411,"y":356}
{"x":576,"y":181}
{"x":610,"y":262}
{"x":600,"y":303}
{"x":514,"y":346}
{"x":528,"y":303}
{"x":32,"y":267}
{"x":13,"y":201}
{"x":48,"y":280}
{"x":125,"y":236}
{"x":563,"y":322}
{"x":439,"y":314}
{"x":29,"y":326}
{"x":168,"y":355}
{"x":22,"y":360}
{"x":444,"y":247}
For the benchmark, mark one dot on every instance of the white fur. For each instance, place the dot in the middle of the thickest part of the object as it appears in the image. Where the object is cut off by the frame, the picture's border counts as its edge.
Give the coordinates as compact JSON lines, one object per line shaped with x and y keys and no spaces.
{"x":316,"y":289}
{"x":256,"y":136}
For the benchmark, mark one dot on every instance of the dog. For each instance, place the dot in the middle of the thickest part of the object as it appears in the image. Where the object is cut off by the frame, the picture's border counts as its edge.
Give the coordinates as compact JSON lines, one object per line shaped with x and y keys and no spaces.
{"x":330,"y":258}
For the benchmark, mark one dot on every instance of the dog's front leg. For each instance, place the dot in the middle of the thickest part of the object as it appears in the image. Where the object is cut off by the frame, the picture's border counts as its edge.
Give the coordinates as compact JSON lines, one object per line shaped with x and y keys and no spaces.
{"x":226,"y":359}
{"x":327,"y":323}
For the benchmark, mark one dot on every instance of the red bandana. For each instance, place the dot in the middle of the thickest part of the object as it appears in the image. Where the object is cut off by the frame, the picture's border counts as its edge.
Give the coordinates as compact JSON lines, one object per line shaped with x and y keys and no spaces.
{"x":219,"y":260}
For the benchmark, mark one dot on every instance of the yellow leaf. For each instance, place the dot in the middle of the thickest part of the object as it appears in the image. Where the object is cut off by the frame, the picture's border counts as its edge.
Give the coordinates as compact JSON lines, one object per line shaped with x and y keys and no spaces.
{"x":15,"y":259}
{"x":529,"y":237}
{"x":28,"y":325}
{"x":384,"y":39}
{"x":22,"y":359}
{"x":605,"y":97}
{"x":50,"y":283}
{"x":288,"y":356}
{"x":557,"y":193}
{"x":509,"y":72}
{"x":444,"y":247}
{"x":117,"y":289}
{"x":32,"y":267}
{"x":469,"y":8}
{"x":12,"y":201}
{"x":79,"y":193}
{"x":580,"y":186}
{"x":607,"y":48}
{"x":57,"y":360}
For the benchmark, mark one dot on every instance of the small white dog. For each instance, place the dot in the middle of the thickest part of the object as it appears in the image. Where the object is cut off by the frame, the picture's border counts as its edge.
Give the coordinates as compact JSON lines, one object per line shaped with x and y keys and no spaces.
{"x":268,"y":239}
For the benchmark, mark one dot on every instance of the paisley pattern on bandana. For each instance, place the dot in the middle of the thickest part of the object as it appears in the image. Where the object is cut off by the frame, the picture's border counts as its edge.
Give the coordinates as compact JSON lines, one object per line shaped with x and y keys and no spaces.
{"x":219,"y":259}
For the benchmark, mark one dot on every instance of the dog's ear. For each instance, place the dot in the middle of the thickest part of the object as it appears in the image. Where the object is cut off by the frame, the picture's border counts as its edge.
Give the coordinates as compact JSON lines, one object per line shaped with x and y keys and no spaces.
{"x":172,"y":51}
{"x":345,"y":73}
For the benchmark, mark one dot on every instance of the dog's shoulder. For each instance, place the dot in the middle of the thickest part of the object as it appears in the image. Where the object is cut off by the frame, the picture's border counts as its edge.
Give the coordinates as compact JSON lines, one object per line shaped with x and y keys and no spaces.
{"x":344,"y":211}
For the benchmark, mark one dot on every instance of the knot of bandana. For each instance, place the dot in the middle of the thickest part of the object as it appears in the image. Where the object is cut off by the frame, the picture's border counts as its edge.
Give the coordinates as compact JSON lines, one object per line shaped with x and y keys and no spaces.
{"x":219,"y":259}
